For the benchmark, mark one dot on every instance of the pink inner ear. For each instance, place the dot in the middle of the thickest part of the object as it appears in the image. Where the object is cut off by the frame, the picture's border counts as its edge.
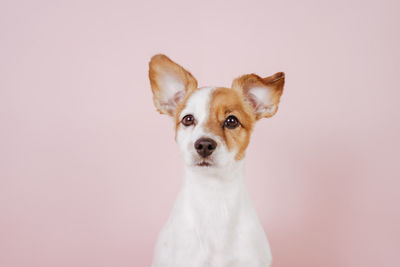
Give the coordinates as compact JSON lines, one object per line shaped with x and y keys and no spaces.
{"x":257,"y":105}
{"x":172,"y":103}
{"x":178,"y":97}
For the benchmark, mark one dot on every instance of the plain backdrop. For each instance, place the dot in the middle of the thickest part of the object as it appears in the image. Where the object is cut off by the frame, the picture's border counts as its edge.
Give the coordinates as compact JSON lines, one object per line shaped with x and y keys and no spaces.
{"x":89,"y":170}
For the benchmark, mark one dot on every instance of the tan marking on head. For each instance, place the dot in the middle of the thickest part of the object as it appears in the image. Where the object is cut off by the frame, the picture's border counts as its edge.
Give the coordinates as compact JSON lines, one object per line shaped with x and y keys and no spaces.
{"x":225,"y":102}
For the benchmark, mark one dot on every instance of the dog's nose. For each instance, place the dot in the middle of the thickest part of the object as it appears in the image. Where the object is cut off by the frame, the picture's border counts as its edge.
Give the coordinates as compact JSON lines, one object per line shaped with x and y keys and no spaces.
{"x":205,"y":146}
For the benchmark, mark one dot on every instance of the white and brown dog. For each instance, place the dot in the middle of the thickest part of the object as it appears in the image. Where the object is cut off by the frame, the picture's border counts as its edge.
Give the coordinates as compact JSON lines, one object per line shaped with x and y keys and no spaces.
{"x":213,"y":222}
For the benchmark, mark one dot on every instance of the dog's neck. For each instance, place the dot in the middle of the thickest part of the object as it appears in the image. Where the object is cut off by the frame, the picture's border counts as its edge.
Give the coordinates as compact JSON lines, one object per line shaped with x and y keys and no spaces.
{"x":214,"y":194}
{"x":211,"y":179}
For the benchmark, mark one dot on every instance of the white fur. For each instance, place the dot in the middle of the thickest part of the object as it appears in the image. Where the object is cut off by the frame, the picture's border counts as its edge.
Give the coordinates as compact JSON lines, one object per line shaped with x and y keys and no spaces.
{"x":213,"y":222}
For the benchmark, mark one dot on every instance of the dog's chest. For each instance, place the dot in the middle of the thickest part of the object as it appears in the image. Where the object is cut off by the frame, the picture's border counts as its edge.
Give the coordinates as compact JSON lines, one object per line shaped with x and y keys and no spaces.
{"x":212,"y":229}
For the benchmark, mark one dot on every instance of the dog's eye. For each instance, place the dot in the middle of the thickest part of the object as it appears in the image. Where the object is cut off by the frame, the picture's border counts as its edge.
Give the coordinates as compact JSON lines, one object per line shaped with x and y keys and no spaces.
{"x":188,"y":120}
{"x":231,"y":122}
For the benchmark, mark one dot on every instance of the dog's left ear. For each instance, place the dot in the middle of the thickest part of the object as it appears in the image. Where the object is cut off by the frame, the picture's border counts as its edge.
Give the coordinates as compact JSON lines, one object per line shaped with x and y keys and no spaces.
{"x":169,"y":83}
{"x":262,"y":94}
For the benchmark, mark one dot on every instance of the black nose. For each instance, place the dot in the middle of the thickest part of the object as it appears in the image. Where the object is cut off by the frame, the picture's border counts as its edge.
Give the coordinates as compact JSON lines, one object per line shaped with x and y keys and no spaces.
{"x":205,"y":146}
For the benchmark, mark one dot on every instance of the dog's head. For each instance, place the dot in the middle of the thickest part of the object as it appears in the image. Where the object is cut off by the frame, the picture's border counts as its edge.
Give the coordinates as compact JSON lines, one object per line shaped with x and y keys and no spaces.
{"x":212,"y":124}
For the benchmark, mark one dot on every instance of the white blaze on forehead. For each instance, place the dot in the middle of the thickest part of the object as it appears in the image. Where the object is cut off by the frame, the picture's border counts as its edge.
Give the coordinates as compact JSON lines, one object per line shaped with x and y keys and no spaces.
{"x":198,"y":105}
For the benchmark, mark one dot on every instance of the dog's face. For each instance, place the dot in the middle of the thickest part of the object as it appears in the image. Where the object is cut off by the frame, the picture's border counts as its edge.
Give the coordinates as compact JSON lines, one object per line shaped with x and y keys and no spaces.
{"x":212,"y":124}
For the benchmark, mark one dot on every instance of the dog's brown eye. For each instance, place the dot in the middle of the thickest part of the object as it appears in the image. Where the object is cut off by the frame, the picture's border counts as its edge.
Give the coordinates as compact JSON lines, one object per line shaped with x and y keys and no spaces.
{"x":188,"y":120}
{"x":231,"y":122}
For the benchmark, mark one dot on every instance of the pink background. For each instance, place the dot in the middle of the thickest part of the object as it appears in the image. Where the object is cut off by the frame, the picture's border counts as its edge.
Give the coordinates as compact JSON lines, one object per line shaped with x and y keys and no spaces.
{"x":90,"y":171}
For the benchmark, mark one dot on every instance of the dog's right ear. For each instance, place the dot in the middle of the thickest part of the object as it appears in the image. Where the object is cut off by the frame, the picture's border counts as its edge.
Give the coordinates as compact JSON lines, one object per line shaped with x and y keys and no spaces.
{"x":263,"y":94}
{"x":169,"y":83}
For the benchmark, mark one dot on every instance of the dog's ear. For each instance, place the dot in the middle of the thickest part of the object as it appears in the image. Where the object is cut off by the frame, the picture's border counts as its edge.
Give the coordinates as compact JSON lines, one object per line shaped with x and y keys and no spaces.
{"x":262,"y":94}
{"x":169,"y":83}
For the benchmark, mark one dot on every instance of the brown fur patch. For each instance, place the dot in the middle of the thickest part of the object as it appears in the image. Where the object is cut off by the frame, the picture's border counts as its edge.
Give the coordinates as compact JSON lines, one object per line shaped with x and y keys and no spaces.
{"x":225,"y":102}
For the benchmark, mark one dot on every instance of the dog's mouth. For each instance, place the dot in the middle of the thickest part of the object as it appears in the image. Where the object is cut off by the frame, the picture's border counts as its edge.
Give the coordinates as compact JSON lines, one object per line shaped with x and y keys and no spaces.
{"x":204,"y":163}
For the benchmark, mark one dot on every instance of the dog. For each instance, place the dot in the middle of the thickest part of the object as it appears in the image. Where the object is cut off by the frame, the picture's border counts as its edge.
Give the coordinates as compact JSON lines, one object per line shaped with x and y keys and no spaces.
{"x":213,"y":222}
